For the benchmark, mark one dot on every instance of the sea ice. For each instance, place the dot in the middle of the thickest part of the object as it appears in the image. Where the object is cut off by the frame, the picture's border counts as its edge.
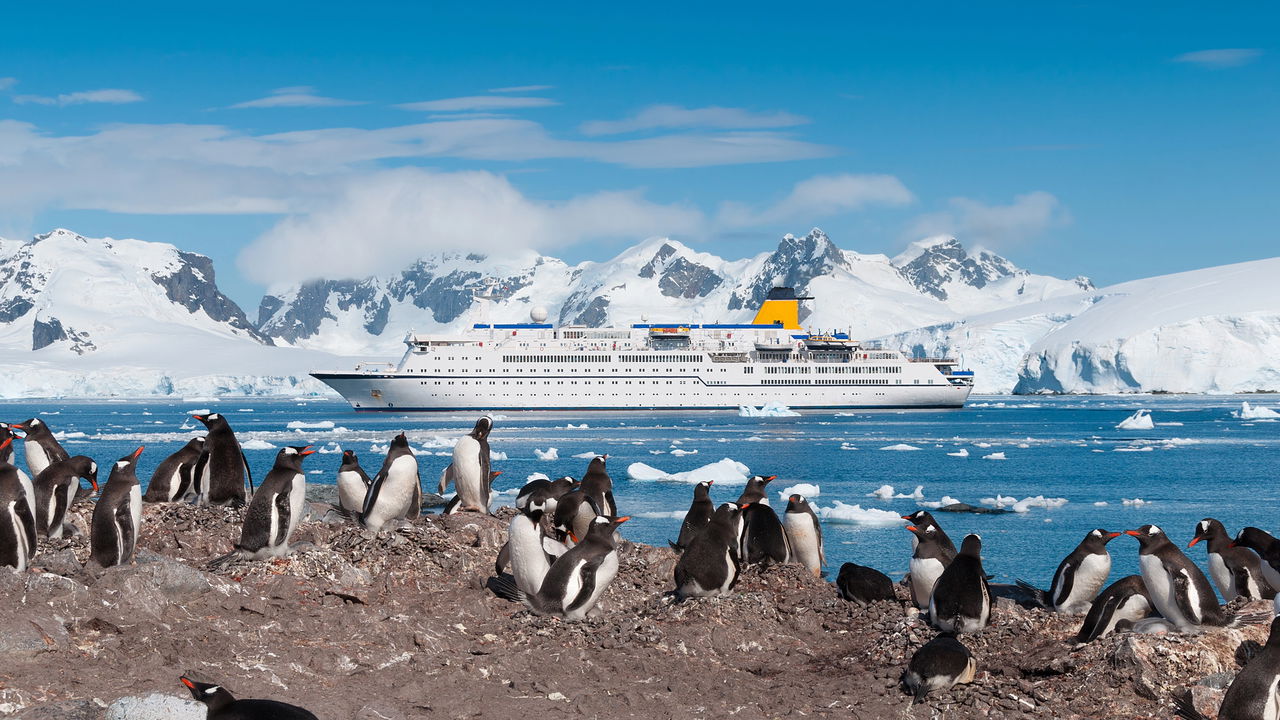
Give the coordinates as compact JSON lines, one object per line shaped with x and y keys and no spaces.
{"x":808,"y":490}
{"x":884,"y":492}
{"x":548,"y":454}
{"x":1140,"y":420}
{"x":900,"y":446}
{"x":1249,"y":412}
{"x":584,"y":455}
{"x":300,"y":425}
{"x":571,"y":426}
{"x":772,"y":408}
{"x":917,"y":494}
{"x":495,"y":455}
{"x":962,"y":452}
{"x":935,"y":504}
{"x":843,"y":513}
{"x":724,"y":472}
{"x":995,"y":456}
{"x":256,"y":444}
{"x":1135,"y":502}
{"x":679,"y":452}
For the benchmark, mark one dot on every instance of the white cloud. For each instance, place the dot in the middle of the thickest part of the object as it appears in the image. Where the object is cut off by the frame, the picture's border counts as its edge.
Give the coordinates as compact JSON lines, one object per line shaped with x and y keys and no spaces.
{"x":385,"y":221}
{"x":478,"y":102}
{"x":821,"y":196}
{"x":295,"y":96}
{"x":674,"y":116}
{"x":7,"y":82}
{"x":1220,"y":58}
{"x":522,"y":88}
{"x":109,"y":95}
{"x":995,"y":226}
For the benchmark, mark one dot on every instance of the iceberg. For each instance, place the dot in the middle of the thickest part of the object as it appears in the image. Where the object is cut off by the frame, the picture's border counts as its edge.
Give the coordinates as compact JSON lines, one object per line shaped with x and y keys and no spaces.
{"x":1249,"y":412}
{"x":995,"y":456}
{"x":300,"y":425}
{"x":583,"y":455}
{"x":724,"y":472}
{"x":1140,"y":420}
{"x":1025,"y":504}
{"x":773,"y":408}
{"x":806,"y":489}
{"x":900,"y":447}
{"x":935,"y":504}
{"x":678,"y":452}
{"x":548,"y":454}
{"x":917,"y":494}
{"x":845,"y":514}
{"x":256,"y":444}
{"x":884,"y":492}
{"x":962,"y":452}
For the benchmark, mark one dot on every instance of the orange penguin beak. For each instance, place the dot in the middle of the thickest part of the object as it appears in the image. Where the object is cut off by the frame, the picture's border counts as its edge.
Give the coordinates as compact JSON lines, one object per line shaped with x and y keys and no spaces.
{"x":494,"y":473}
{"x":7,"y":442}
{"x":623,"y":519}
{"x":94,"y":483}
{"x":1114,"y":535}
{"x":912,"y":528}
{"x":573,"y":537}
{"x":16,"y":426}
{"x":711,"y":482}
{"x":1193,"y":542}
{"x":906,"y":517}
{"x":1134,"y":533}
{"x":307,"y":451}
{"x":138,"y":452}
{"x":771,"y":478}
{"x":187,"y":682}
{"x":744,"y":506}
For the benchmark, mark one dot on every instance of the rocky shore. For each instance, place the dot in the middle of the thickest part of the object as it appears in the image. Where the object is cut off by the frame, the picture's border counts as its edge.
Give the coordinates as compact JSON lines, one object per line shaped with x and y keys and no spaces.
{"x":401,"y":625}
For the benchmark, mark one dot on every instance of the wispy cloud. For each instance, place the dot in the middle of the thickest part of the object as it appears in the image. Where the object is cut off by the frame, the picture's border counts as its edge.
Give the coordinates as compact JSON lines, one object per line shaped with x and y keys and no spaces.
{"x":674,"y":117}
{"x":995,"y":226}
{"x":110,"y":96}
{"x":7,"y":82}
{"x":821,"y":196}
{"x":295,"y":96}
{"x":477,"y":102}
{"x":521,"y":88}
{"x":1220,"y":58}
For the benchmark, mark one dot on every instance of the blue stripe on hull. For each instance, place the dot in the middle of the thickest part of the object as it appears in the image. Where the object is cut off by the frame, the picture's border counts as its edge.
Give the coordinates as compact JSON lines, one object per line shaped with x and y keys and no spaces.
{"x":634,"y":408}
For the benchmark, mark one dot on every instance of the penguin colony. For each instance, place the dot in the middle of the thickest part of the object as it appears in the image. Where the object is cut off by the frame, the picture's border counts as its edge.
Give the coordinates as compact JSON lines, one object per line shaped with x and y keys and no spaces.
{"x":563,"y":549}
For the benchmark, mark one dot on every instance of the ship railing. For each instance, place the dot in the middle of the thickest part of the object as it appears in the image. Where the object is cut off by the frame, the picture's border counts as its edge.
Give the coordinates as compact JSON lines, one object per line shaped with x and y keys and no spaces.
{"x":940,"y":360}
{"x":371,"y":366}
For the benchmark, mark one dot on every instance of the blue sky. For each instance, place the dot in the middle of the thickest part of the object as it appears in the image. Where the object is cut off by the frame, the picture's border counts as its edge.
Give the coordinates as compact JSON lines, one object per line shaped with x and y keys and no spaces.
{"x":1110,"y":140}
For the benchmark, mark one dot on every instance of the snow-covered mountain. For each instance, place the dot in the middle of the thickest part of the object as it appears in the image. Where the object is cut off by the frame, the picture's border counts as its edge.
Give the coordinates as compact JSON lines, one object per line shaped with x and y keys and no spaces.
{"x":103,"y":316}
{"x":1215,"y":330}
{"x":936,"y":280}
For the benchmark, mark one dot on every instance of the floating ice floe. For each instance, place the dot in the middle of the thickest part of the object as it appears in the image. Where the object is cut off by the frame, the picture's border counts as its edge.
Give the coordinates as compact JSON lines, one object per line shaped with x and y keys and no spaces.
{"x":935,"y":504}
{"x":772,"y":408}
{"x":537,"y":476}
{"x":584,"y":455}
{"x":900,"y":447}
{"x":843,"y":513}
{"x":199,"y":411}
{"x":808,"y":490}
{"x":847,"y":446}
{"x":548,"y":454}
{"x":1142,"y":448}
{"x":1169,"y":424}
{"x":571,"y":426}
{"x":995,"y":456}
{"x":884,"y":492}
{"x":199,"y":400}
{"x":725,"y":472}
{"x":1135,"y":502}
{"x":1025,"y":504}
{"x":657,"y":452}
{"x":677,"y":452}
{"x":239,"y":410}
{"x":300,"y":425}
{"x":1250,"y":412}
{"x":1140,"y":420}
{"x":983,"y":445}
{"x":256,"y":444}
{"x":662,"y":514}
{"x":962,"y":452}
{"x":73,"y":435}
{"x":917,"y":494}
{"x":1101,"y":503}
{"x":677,"y":442}
{"x":495,"y":455}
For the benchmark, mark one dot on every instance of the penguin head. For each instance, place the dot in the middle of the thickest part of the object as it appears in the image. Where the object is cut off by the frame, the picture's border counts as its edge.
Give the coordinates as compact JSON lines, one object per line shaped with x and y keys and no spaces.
{"x":208,"y":693}
{"x":483,"y":426}
{"x":761,"y":480}
{"x":127,"y":464}
{"x":1098,"y":536}
{"x":603,"y":526}
{"x":90,"y":470}
{"x":924,"y":533}
{"x":1148,"y":534}
{"x":919,"y":517}
{"x":291,"y":456}
{"x":34,"y":425}
{"x":349,"y":459}
{"x":971,"y":545}
{"x":597,"y":464}
{"x":207,"y":419}
{"x":196,"y":443}
{"x":1255,"y":539}
{"x":560,"y":486}
{"x":702,"y":491}
{"x":399,"y":441}
{"x":1207,"y":529}
{"x":798,"y":504}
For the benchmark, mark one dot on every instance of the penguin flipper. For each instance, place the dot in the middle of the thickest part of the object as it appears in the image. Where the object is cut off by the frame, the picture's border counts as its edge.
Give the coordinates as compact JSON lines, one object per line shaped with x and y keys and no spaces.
{"x":415,"y":504}
{"x":446,"y":476}
{"x":451,"y":507}
{"x":124,"y":526}
{"x":1181,"y":596}
{"x":28,"y":520}
{"x":1240,"y":576}
{"x":1186,"y":709}
{"x":588,"y":573}
{"x":197,"y":473}
{"x":247,"y":471}
{"x":504,"y":557}
{"x":1037,"y":595}
{"x":283,"y":512}
{"x":676,"y":546}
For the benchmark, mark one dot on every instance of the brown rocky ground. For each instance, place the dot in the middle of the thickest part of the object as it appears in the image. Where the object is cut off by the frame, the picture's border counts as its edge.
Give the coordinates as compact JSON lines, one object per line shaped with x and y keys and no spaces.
{"x":401,"y":625}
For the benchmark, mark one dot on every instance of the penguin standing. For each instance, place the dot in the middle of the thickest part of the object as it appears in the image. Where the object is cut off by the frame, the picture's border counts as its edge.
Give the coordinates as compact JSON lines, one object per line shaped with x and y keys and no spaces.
{"x":697,"y":517}
{"x":764,"y":540}
{"x":39,"y":445}
{"x":6,"y":458}
{"x":755,"y":491}
{"x":1253,"y":693}
{"x":577,"y":579}
{"x":1079,"y":576}
{"x":224,"y":706}
{"x":961,"y":600}
{"x":597,"y":485}
{"x":709,"y":566}
{"x":940,"y":664}
{"x":118,"y":514}
{"x":1268,"y":549}
{"x":276,"y":508}
{"x":353,"y":483}
{"x":526,"y":549}
{"x":932,"y":553}
{"x":470,"y":470}
{"x":175,"y":476}
{"x":924,"y":519}
{"x":804,"y":534}
{"x":17,"y":522}
{"x":225,"y":468}
{"x":546,"y":491}
{"x":1178,"y":589}
{"x":863,"y":585}
{"x":56,"y":490}
{"x":1235,"y":570}
{"x":1124,"y":600}
{"x":396,"y":491}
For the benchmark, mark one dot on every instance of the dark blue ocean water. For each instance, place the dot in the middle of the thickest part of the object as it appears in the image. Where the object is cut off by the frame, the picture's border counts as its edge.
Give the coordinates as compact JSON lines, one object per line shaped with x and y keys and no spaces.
{"x":1202,"y":462}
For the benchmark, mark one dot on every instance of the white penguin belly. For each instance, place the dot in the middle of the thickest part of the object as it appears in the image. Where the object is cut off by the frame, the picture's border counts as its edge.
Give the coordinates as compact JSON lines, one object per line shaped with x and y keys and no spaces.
{"x":351,"y":490}
{"x":297,"y":503}
{"x":1163,"y":593}
{"x":396,"y":494}
{"x":1132,"y":608}
{"x":1222,"y":577}
{"x":804,"y":540}
{"x":135,"y":512}
{"x":37,"y":460}
{"x":202,"y":486}
{"x":730,"y":572}
{"x":20,"y":551}
{"x":528,"y":560}
{"x":175,"y":484}
{"x":1088,"y":580}
{"x":466,"y":473}
{"x":924,"y":575}
{"x":607,"y":570}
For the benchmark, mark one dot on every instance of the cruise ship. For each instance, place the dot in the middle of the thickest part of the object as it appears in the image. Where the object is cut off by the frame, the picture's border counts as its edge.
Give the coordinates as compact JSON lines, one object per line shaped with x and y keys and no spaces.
{"x":650,"y":366}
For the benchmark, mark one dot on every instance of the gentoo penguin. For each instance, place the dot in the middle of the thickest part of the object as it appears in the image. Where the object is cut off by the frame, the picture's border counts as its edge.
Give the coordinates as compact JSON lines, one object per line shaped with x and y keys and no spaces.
{"x":276,"y":508}
{"x":764,"y":540}
{"x":1235,"y":570}
{"x":454,"y":506}
{"x":56,"y":490}
{"x":525,"y":548}
{"x":1124,"y":600}
{"x":755,"y":491}
{"x":1254,"y":694}
{"x":396,"y":492}
{"x":175,"y":476}
{"x":961,"y":600}
{"x":1268,"y":549}
{"x":353,"y":483}
{"x":6,"y":458}
{"x":863,"y":585}
{"x":470,"y":470}
{"x":118,"y":514}
{"x":597,"y":485}
{"x":932,"y":553}
{"x":1177,"y":588}
{"x":699,"y":515}
{"x":17,"y":523}
{"x":578,"y":578}
{"x":224,"y":706}
{"x":940,"y":664}
{"x":924,"y":519}
{"x":39,"y":445}
{"x":804,"y":534}
{"x":222,"y":482}
{"x":1079,"y":576}
{"x":574,"y":512}
{"x":709,"y":565}
{"x":546,"y":491}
